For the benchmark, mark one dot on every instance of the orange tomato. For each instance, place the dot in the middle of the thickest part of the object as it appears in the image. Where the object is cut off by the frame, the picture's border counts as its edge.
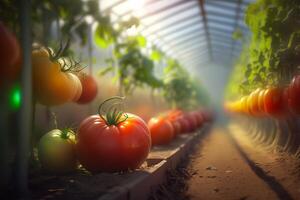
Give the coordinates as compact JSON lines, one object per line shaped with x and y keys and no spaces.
{"x":261,"y":104}
{"x":254,"y":108}
{"x":52,"y":86}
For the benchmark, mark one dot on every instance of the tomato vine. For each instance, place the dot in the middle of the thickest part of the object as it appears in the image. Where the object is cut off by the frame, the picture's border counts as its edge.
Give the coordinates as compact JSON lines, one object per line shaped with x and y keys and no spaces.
{"x":273,"y":53}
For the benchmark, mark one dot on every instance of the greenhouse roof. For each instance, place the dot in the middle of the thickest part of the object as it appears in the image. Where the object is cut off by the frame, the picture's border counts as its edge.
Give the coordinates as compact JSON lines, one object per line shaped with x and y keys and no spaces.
{"x":195,"y":32}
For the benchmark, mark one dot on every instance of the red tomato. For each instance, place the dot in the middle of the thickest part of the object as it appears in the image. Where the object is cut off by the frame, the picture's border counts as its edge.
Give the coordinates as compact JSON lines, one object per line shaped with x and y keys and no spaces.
{"x":273,"y":102}
{"x":162,"y":131}
{"x":176,"y":126}
{"x":89,"y":89}
{"x":199,"y":118}
{"x":10,"y":55}
{"x":294,"y":95}
{"x":184,"y":124}
{"x":174,"y":114}
{"x":192,"y":122}
{"x":113,"y":147}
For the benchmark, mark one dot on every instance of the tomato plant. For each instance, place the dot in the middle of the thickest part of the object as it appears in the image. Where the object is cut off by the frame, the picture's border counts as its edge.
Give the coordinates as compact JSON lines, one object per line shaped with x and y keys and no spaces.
{"x":53,"y":80}
{"x":89,"y":89}
{"x":56,"y":151}
{"x":114,"y":141}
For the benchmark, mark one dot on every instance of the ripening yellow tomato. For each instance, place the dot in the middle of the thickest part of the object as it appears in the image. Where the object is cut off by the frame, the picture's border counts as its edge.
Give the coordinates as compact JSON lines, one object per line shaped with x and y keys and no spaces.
{"x":51,"y":85}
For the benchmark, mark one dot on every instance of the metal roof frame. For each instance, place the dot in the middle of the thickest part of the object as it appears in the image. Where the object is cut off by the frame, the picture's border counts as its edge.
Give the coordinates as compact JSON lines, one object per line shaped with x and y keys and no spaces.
{"x":189,"y":34}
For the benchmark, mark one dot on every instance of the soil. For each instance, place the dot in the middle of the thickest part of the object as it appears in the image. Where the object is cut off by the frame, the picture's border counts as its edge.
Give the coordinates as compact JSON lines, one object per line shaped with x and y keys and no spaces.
{"x":81,"y":184}
{"x":228,"y":165}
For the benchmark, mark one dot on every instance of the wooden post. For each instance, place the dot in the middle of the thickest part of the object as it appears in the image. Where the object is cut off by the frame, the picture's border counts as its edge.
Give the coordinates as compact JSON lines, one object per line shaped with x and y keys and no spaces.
{"x":26,"y":105}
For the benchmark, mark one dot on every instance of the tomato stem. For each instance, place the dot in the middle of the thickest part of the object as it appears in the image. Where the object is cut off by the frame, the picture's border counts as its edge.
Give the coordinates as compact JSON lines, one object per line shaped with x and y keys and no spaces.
{"x":65,"y":133}
{"x":54,"y":119}
{"x":112,"y":115}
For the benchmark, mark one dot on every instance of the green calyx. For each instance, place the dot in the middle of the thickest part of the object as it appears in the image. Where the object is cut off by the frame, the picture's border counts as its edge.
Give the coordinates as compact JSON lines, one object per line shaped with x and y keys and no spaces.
{"x":111,"y":112}
{"x":65,"y":133}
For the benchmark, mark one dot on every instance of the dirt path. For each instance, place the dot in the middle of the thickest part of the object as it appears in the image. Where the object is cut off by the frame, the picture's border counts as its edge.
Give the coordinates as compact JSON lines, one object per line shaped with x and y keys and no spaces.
{"x":226,"y":167}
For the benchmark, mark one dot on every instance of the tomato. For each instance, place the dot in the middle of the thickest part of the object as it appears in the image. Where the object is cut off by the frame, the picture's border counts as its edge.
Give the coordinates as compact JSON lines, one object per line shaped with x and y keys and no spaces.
{"x":184,"y":124}
{"x":113,"y":145}
{"x":199,"y":118}
{"x":77,"y":86}
{"x":51,"y":85}
{"x":176,"y":126}
{"x":294,"y":95}
{"x":243,"y":104}
{"x":253,"y":106}
{"x":161,"y":129}
{"x":273,"y":102}
{"x":175,"y":114}
{"x":192,"y":122}
{"x":10,"y":55}
{"x":56,"y":151}
{"x":89,"y":89}
{"x":261,"y":103}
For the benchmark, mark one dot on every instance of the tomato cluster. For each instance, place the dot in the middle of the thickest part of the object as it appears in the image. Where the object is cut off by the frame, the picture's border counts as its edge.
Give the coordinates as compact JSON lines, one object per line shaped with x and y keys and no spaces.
{"x":55,"y":82}
{"x":114,"y":140}
{"x":273,"y":101}
{"x":167,"y":126}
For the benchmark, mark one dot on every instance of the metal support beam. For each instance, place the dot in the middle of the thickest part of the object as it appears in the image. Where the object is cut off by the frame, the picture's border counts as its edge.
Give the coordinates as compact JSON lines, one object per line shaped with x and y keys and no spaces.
{"x":192,"y":53}
{"x":25,"y":126}
{"x":237,"y":16}
{"x":183,"y":33}
{"x":205,"y":23}
{"x":192,"y":48}
{"x":184,"y":19}
{"x":184,"y":40}
{"x":187,"y":44}
{"x":181,"y":27}
{"x":166,"y":8}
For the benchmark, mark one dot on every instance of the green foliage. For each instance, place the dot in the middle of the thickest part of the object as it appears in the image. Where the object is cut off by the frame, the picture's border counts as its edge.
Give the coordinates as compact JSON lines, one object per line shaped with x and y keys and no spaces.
{"x":134,"y":68}
{"x":273,"y":51}
{"x":237,"y":34}
{"x":180,"y":89}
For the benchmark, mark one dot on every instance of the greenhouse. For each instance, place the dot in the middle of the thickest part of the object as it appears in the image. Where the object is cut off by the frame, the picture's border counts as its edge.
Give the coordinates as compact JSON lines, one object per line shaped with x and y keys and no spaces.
{"x":150,"y":99}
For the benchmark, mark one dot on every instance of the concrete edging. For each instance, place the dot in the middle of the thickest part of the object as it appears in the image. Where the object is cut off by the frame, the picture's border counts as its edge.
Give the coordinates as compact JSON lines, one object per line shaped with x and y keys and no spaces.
{"x":140,"y":186}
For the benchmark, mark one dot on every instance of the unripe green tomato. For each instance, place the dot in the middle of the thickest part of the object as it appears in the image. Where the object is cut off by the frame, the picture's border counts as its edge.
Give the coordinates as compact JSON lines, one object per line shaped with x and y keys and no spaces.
{"x":56,"y":151}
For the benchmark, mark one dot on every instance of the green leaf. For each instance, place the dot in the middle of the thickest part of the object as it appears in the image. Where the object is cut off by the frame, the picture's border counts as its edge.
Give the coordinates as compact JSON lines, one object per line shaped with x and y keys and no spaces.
{"x":102,"y":37}
{"x":105,"y":70}
{"x":141,"y":41}
{"x":156,"y":55}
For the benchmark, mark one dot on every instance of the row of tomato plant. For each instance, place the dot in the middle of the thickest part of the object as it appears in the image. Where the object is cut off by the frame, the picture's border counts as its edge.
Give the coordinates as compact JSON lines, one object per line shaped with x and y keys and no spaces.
{"x":114,"y":140}
{"x":265,"y":77}
{"x":276,"y":102}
